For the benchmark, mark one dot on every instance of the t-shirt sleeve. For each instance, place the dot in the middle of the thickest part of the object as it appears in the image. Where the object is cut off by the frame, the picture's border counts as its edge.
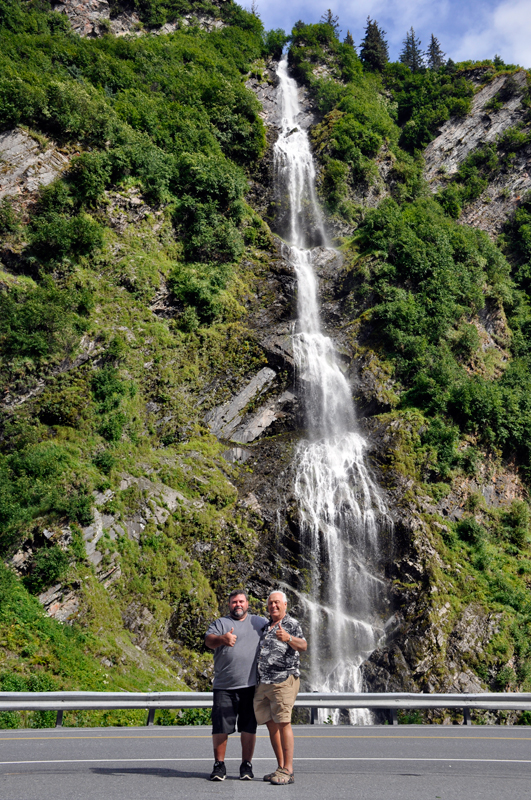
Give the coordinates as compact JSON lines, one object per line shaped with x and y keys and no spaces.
{"x":215,"y":627}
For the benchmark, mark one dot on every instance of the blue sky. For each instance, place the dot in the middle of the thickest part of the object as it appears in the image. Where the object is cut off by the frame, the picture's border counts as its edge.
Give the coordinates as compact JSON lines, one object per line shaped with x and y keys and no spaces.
{"x":466,"y":29}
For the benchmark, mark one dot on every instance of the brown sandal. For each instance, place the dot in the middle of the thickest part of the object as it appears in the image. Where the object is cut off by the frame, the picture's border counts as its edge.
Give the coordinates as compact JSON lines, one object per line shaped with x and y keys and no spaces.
{"x":282,"y":777}
{"x":270,"y":775}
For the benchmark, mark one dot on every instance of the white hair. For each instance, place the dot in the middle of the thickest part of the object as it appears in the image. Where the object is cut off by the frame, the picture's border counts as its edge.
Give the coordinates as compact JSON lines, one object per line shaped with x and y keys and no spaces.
{"x":277,"y":591}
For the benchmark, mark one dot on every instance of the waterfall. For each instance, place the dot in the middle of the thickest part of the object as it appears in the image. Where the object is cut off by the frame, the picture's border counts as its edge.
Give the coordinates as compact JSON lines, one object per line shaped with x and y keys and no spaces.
{"x":340,"y":508}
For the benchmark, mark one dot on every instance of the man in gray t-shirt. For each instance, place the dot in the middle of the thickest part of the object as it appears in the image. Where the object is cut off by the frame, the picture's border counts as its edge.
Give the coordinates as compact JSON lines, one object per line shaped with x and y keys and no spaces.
{"x":235,"y":640}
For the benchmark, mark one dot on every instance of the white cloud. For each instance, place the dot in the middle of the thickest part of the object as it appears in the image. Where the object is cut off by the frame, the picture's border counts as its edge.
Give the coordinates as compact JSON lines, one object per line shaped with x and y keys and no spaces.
{"x":507,"y":31}
{"x":466,"y":29}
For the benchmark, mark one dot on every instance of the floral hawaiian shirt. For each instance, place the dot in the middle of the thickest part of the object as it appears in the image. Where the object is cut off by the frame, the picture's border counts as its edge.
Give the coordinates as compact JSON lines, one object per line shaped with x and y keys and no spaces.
{"x":277,"y":660}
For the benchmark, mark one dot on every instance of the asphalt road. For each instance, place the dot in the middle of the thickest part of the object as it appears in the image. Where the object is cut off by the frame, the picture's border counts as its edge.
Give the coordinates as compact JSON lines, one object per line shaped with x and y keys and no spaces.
{"x":376,"y":763}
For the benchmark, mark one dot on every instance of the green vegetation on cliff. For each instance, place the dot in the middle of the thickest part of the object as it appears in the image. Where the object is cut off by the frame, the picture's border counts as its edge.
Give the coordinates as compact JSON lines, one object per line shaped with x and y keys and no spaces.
{"x":125,"y":286}
{"x":159,"y":132}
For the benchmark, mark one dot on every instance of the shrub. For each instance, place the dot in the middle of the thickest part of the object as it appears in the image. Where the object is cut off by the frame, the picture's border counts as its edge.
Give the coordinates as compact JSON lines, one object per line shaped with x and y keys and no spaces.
{"x":54,"y":236}
{"x":199,"y":286}
{"x":104,"y":461}
{"x":91,"y":173}
{"x":9,"y":222}
{"x":274,"y":42}
{"x":78,"y":508}
{"x":106,"y":385}
{"x":111,"y":428}
{"x":469,"y":530}
{"x":49,"y":565}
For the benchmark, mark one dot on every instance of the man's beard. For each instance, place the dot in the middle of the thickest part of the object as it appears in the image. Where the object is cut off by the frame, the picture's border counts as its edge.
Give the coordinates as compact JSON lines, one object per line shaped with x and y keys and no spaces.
{"x":237,"y":613}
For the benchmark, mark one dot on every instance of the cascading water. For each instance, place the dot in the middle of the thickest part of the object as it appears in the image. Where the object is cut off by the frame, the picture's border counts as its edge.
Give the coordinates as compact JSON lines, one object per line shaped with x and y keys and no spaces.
{"x":340,"y":508}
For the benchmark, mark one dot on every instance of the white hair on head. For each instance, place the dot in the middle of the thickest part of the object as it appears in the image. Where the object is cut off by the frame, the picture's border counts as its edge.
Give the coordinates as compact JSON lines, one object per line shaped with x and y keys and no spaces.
{"x":277,"y":591}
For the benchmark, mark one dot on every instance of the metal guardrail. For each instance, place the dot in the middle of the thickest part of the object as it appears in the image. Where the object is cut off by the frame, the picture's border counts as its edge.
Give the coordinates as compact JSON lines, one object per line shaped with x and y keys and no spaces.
{"x":151,"y":701}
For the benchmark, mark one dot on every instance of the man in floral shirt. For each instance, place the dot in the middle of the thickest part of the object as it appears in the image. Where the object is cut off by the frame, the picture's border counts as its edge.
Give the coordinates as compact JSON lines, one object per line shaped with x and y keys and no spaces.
{"x":278,"y":676}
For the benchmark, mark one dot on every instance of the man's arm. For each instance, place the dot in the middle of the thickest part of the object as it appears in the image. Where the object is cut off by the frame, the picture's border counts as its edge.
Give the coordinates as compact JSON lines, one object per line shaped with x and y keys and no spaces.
{"x":213,"y":640}
{"x":296,"y":642}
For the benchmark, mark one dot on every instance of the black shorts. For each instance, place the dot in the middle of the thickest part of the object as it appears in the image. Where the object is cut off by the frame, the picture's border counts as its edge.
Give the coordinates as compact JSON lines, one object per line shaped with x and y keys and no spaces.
{"x":232,"y":704}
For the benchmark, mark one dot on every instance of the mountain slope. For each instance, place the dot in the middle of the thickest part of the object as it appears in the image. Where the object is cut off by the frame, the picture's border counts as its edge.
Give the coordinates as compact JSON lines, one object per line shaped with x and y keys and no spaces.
{"x":150,"y":407}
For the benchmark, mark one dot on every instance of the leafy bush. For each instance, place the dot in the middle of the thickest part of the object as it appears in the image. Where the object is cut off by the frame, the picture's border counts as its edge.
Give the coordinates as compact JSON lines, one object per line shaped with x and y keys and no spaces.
{"x":39,"y":322}
{"x":111,"y":428}
{"x":78,"y":507}
{"x":49,"y":565}
{"x":104,"y":461}
{"x":9,"y":222}
{"x":427,"y":275}
{"x":274,"y":42}
{"x":198,"y":286}
{"x":469,"y":530}
{"x":425,"y":100}
{"x":107,"y":387}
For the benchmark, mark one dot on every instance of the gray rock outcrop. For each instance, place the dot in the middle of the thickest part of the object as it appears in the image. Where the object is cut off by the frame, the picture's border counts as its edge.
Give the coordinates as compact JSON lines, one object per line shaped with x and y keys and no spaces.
{"x":90,"y":18}
{"x":27,"y":163}
{"x":461,"y":135}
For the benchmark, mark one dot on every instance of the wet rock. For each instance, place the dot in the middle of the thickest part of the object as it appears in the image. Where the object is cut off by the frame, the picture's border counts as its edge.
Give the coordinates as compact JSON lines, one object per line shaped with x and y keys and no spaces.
{"x":252,"y":503}
{"x":254,"y":425}
{"x":237,"y":455}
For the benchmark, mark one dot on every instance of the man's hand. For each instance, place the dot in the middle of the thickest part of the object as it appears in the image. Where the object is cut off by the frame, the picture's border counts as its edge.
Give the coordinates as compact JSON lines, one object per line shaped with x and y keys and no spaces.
{"x":294,"y":642}
{"x":281,"y":634}
{"x":229,"y":638}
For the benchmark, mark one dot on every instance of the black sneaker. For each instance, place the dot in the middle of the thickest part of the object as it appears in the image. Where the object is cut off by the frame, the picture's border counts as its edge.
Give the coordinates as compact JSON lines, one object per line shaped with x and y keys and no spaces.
{"x":219,"y":772}
{"x":246,"y":771}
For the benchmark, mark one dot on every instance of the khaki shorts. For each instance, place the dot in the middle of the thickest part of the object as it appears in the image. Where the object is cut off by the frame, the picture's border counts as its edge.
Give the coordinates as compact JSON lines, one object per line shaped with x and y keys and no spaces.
{"x":274,"y":701}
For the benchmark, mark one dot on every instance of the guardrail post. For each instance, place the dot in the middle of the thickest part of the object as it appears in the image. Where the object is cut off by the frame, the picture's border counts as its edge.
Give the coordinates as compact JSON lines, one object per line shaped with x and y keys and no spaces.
{"x":466,"y":716}
{"x":59,"y":719}
{"x":314,"y":712}
{"x":151,"y":716}
{"x":394,"y":716}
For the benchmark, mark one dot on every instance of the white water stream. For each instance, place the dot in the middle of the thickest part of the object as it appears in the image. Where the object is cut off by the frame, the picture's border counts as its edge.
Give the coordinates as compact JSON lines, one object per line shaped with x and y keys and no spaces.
{"x":340,"y":507}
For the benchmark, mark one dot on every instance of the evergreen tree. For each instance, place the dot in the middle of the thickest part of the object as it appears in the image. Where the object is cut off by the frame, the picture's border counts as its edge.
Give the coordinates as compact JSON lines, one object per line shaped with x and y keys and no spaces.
{"x":374,"y":51}
{"x":498,"y":62}
{"x":411,"y":55}
{"x":434,"y":54}
{"x":348,"y":39}
{"x":329,"y":18}
{"x":450,"y":66}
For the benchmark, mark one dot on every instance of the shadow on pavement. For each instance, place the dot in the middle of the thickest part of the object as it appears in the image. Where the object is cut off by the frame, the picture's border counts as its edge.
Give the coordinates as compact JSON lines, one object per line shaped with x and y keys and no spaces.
{"x":158,"y":772}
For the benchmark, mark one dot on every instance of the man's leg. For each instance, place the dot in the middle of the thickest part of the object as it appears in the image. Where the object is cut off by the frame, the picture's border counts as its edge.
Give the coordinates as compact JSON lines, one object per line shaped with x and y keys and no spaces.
{"x":248,"y":743}
{"x":288,"y":744}
{"x":276,"y":742}
{"x":219,"y":740}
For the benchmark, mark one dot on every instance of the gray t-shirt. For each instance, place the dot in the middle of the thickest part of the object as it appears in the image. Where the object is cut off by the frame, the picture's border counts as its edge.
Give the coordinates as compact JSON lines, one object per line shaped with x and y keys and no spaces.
{"x":235,"y":667}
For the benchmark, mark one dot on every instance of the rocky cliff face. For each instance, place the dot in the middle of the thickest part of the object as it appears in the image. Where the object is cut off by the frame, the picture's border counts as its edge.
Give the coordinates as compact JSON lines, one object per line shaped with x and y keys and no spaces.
{"x":90,"y":18}
{"x":227,"y":496}
{"x":497,"y":108}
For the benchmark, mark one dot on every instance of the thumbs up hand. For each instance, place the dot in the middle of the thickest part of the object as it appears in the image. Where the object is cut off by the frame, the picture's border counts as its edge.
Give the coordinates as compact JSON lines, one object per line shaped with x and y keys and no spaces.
{"x":230,"y":638}
{"x":281,"y":634}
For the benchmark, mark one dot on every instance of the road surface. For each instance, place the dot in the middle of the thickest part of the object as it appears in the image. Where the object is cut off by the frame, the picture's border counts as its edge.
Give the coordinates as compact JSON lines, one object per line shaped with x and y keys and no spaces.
{"x":372,"y":763}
